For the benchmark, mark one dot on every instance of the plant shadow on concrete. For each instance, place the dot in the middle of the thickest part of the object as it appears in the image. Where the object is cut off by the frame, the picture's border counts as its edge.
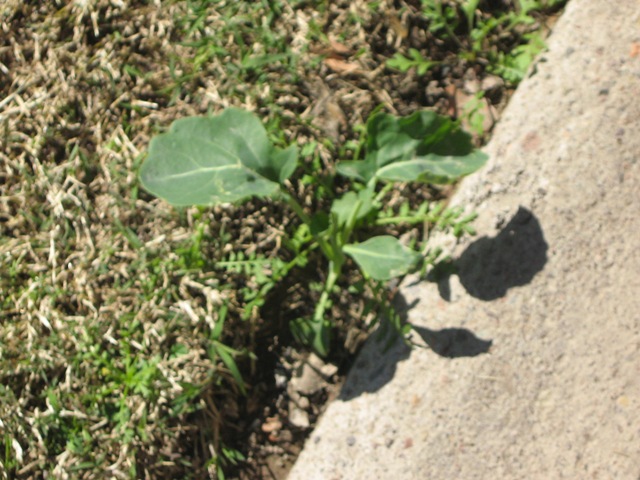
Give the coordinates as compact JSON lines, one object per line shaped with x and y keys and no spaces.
{"x":487,"y":269}
{"x":453,"y":342}
{"x":491,"y":266}
{"x":368,"y":374}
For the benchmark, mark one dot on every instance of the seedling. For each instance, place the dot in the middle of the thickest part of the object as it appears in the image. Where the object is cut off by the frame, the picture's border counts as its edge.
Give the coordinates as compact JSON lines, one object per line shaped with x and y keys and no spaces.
{"x":228,"y":158}
{"x":415,"y":59}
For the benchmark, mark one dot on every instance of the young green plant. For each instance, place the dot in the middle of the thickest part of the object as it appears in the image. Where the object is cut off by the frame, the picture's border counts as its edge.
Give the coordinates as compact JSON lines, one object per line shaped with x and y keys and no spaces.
{"x":228,"y":158}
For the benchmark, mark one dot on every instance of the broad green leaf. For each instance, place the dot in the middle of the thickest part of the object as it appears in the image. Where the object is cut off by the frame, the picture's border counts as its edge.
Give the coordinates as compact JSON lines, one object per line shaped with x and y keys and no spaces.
{"x":208,"y":160}
{"x":383,"y":257}
{"x":391,"y":138}
{"x":285,"y":162}
{"x":319,"y":223}
{"x":455,"y":142}
{"x":433,"y":168}
{"x":419,"y":136}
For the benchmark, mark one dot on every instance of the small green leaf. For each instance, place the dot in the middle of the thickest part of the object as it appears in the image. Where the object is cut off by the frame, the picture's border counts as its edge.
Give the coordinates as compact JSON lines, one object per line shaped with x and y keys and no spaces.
{"x":216,"y":331}
{"x":400,"y":62}
{"x":344,"y":207}
{"x":314,"y":333}
{"x":226,"y":355}
{"x":415,"y":59}
{"x":383,"y":257}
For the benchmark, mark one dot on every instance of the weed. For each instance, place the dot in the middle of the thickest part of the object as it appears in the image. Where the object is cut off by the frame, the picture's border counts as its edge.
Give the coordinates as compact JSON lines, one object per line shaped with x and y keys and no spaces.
{"x":415,"y":60}
{"x":228,"y":158}
{"x":472,"y":113}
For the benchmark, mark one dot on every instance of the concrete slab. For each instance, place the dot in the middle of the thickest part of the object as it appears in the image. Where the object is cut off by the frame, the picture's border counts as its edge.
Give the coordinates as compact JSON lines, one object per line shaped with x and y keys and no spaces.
{"x":534,"y":365}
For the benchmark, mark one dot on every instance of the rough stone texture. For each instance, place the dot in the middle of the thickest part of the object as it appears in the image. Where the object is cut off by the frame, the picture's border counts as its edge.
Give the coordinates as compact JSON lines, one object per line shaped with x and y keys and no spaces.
{"x":533,"y":369}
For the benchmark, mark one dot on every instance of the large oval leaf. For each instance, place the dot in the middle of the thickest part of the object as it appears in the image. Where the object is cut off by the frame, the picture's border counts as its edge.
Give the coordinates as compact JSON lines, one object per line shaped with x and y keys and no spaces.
{"x":383,"y":257}
{"x":208,"y":160}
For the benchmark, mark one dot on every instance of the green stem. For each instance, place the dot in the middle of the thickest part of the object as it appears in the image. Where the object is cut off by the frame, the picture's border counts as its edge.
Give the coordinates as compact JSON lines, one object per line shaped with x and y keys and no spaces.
{"x":296,"y":207}
{"x":335,"y":268}
{"x":383,"y":191}
{"x":411,"y":220}
{"x":447,"y":27}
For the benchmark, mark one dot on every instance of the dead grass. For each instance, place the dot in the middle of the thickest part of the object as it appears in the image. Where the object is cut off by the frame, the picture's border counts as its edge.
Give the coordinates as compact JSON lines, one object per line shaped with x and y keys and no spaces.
{"x":104,"y":332}
{"x":109,"y":297}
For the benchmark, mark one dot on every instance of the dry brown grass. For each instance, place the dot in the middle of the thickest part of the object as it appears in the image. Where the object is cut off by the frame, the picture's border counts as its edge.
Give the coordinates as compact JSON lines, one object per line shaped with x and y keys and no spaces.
{"x":95,"y":299}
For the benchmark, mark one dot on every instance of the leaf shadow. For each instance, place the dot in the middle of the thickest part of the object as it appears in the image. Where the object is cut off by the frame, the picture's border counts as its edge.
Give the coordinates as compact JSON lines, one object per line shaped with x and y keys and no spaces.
{"x":376,"y":362}
{"x":490,"y":266}
{"x":453,"y":342}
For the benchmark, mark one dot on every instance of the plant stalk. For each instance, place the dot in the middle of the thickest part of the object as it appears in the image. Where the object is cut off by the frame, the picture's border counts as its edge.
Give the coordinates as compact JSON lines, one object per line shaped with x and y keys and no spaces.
{"x":335,"y":268}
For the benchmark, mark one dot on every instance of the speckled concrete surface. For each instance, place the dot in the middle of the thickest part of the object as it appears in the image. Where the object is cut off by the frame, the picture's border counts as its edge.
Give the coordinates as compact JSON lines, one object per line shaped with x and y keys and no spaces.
{"x":533,"y":369}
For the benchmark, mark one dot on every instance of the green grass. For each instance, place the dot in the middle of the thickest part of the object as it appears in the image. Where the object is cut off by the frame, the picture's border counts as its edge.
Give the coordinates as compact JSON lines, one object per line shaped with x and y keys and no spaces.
{"x":478,"y":33}
{"x":239,"y":43}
